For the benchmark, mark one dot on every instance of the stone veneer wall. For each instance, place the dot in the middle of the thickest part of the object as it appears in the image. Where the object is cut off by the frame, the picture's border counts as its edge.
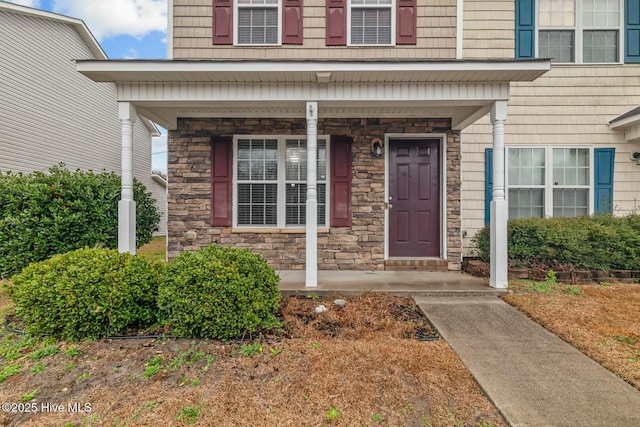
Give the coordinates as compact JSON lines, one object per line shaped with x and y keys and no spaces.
{"x":359,"y":247}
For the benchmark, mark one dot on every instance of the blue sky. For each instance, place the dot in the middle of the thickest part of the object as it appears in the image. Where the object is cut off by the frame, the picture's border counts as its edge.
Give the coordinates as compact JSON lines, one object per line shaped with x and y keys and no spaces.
{"x":126,"y":29}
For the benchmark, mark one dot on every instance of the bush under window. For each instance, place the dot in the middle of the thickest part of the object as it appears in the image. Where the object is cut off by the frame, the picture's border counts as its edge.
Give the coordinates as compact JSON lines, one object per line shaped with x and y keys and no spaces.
{"x":600,"y":242}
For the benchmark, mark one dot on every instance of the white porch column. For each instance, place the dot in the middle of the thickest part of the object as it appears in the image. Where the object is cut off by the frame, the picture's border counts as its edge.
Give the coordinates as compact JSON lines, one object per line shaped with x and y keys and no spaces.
{"x":311,"y":280}
{"x":499,"y":209}
{"x":126,"y":205}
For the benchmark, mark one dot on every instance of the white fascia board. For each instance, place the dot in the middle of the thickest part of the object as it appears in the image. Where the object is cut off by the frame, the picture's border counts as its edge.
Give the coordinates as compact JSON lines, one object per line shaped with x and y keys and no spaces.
{"x":625,"y":123}
{"x":307,"y":66}
{"x":153,"y":129}
{"x":78,"y":24}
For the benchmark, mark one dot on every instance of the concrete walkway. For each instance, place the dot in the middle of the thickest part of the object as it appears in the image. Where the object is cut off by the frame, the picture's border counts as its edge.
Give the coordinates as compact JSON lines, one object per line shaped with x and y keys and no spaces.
{"x":532,"y":376}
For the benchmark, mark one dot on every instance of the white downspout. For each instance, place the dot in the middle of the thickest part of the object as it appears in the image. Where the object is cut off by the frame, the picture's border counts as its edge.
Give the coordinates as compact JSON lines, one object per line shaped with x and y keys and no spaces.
{"x":459,"y":28}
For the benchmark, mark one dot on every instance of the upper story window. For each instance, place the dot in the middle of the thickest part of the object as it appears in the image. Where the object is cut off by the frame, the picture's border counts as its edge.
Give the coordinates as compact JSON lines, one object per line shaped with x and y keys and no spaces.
{"x":258,"y":22}
{"x":578,"y":31}
{"x":347,"y":22}
{"x":371,"y":21}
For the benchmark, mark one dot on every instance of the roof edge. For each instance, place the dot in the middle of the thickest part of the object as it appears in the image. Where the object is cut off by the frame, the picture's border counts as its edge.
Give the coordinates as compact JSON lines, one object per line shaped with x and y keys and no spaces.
{"x":625,"y":120}
{"x":78,"y":24}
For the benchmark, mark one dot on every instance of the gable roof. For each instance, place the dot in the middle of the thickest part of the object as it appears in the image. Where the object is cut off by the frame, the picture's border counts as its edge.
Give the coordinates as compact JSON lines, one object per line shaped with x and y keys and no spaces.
{"x":78,"y":24}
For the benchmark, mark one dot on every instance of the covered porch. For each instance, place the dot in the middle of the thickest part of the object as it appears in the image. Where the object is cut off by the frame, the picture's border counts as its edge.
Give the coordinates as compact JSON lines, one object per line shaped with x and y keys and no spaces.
{"x":460,"y":92}
{"x":401,"y":283}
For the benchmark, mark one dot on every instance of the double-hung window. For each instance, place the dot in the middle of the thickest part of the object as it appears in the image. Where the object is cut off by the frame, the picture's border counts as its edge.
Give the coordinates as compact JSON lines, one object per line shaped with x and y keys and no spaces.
{"x":258,"y":22}
{"x":371,"y":22}
{"x":549,"y":181}
{"x":581,"y":31}
{"x":271,"y":181}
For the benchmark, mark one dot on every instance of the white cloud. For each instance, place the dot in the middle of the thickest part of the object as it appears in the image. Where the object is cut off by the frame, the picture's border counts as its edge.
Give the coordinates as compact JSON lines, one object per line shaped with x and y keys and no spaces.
{"x":131,"y":54}
{"x":30,"y":3}
{"x":117,"y":17}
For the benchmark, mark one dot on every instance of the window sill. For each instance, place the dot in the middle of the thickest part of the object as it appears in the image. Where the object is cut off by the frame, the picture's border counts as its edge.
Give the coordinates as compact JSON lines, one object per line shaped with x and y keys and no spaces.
{"x":586,"y":64}
{"x":258,"y":45}
{"x":276,"y":230}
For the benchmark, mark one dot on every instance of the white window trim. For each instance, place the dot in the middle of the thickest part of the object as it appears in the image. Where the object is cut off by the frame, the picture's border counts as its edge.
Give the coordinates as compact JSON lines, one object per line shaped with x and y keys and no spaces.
{"x":578,"y":29}
{"x":393,"y":23}
{"x":281,"y":183}
{"x":548,"y":176}
{"x":237,"y":6}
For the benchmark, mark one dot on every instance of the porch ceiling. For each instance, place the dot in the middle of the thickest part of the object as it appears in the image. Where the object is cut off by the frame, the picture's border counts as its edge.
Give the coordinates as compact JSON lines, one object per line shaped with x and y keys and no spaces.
{"x":462,"y":90}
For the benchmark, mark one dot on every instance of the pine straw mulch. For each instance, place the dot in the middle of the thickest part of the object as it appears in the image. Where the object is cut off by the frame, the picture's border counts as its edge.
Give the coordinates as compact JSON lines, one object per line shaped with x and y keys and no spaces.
{"x":363,"y":360}
{"x":601,"y":321}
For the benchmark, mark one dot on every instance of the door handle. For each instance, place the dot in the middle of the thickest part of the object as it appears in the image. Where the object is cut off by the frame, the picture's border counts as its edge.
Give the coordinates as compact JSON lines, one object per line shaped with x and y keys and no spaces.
{"x":388,"y":205}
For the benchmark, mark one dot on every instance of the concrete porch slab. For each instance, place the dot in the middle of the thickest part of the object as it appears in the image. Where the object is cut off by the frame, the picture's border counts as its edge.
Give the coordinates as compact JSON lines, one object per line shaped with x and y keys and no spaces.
{"x":403,"y":283}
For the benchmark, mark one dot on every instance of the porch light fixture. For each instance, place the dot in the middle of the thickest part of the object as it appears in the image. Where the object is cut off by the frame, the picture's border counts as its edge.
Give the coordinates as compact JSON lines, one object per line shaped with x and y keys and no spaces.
{"x":376,"y":147}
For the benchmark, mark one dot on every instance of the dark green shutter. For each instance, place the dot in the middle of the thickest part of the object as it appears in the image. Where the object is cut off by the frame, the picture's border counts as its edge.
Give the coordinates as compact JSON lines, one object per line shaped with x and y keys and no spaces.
{"x":488,"y":183}
{"x":604,"y":159}
{"x":632,"y":31}
{"x":525,"y":29}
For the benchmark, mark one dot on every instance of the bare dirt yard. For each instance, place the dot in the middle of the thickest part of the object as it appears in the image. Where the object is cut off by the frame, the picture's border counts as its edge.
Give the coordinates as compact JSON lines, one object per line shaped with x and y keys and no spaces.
{"x":365,"y":364}
{"x":602,"y":321}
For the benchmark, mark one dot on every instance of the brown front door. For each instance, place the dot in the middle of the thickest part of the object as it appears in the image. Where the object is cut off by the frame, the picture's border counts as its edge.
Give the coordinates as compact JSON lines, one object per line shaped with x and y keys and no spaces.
{"x":414,"y":198}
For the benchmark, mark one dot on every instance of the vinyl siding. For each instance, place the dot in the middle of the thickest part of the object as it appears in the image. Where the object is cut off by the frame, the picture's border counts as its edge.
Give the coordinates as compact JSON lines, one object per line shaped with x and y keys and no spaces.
{"x":49,"y":113}
{"x":488,"y":29}
{"x":569,"y":105}
{"x":192,"y":36}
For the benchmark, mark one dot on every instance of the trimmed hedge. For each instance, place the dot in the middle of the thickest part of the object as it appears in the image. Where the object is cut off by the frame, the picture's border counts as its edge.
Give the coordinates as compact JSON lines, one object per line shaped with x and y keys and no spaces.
{"x":43,"y":214}
{"x":87,"y":293}
{"x":219,"y":292}
{"x":601,"y":242}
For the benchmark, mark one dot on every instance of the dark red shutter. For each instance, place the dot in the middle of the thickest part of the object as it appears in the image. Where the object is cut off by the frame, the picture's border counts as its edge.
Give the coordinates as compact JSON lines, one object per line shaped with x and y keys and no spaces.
{"x":341,"y":181}
{"x":336,"y":17}
{"x":221,"y":181}
{"x":292,"y":22}
{"x":222,"y":21}
{"x":406,"y":22}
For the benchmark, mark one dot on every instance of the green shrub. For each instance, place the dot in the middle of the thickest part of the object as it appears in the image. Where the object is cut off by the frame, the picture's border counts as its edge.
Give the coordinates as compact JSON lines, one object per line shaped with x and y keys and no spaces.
{"x":219,"y":292}
{"x":43,"y":214}
{"x":87,"y":293}
{"x":601,"y":242}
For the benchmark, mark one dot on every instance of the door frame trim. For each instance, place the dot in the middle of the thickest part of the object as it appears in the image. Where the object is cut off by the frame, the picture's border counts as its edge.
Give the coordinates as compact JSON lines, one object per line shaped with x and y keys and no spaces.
{"x":443,"y":187}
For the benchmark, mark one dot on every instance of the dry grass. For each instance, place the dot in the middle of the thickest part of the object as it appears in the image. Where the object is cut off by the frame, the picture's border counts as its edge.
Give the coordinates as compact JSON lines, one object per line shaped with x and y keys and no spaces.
{"x":601,"y":321}
{"x":351,"y":359}
{"x":155,"y":250}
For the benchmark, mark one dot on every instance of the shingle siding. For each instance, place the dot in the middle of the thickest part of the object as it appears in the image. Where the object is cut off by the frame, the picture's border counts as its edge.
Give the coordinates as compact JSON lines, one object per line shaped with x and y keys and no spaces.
{"x":569,"y":105}
{"x":192,"y":36}
{"x":488,"y":29}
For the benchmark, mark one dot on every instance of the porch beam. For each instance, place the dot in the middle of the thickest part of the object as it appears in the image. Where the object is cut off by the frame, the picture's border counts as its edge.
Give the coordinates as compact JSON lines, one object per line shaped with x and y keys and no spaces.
{"x":159,"y":93}
{"x":127,"y":205}
{"x":499,"y":210}
{"x":311,"y":280}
